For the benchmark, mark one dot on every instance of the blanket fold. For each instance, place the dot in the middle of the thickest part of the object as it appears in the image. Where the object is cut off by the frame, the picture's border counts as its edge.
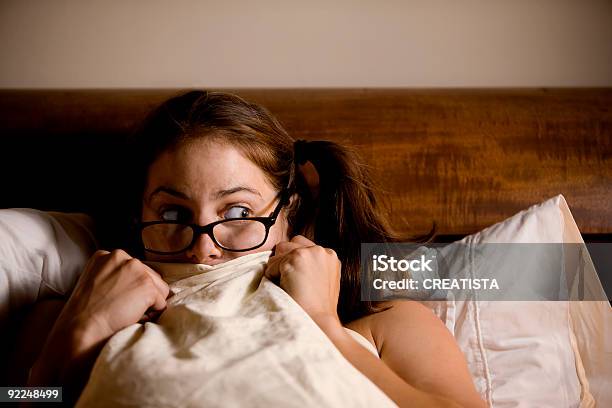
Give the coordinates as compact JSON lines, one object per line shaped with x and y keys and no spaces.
{"x":229,"y":337}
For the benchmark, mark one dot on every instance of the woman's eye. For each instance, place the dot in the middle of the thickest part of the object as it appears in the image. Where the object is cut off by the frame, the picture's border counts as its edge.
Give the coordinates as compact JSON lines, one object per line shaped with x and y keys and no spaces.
{"x":173,"y":214}
{"x":237,"y":212}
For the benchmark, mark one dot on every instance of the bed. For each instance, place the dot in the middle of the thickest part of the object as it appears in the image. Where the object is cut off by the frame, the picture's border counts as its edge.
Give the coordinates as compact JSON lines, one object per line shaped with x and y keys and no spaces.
{"x":463,"y":159}
{"x":459,"y":159}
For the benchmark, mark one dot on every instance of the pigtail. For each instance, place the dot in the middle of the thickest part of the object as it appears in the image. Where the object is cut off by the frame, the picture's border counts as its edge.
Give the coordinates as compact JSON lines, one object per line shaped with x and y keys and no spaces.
{"x":348,"y":212}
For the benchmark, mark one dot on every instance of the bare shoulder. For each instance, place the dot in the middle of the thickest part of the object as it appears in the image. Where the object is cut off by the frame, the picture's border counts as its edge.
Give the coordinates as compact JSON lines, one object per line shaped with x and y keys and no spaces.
{"x":414,"y":343}
{"x":394,"y":319}
{"x":405,"y":317}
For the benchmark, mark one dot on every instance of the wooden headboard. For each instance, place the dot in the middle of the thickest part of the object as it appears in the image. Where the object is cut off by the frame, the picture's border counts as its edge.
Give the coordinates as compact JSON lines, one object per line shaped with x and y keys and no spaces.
{"x":462,"y":158}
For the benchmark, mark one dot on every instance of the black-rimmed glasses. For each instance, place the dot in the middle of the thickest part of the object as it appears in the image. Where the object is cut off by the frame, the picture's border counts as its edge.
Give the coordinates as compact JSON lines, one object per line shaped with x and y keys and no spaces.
{"x":231,"y":234}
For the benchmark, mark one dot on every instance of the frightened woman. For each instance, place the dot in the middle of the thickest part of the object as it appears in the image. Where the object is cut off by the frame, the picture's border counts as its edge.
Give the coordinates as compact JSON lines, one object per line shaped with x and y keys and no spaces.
{"x":216,"y":178}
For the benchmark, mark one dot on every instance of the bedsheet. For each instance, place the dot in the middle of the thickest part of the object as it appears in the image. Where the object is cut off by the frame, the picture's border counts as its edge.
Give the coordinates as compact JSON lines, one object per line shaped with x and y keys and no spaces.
{"x":229,"y":337}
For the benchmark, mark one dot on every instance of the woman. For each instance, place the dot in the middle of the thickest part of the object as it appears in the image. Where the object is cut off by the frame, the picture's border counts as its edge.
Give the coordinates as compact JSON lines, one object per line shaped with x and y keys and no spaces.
{"x":203,"y":160}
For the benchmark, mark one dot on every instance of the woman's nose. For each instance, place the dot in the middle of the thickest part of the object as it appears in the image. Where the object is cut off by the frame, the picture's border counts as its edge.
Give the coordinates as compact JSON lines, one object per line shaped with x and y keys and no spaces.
{"x":204,"y":251}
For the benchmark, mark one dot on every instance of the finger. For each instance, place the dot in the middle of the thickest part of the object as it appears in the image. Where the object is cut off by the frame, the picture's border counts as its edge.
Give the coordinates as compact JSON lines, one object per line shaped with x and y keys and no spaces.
{"x":161,"y":285}
{"x":334,"y":254}
{"x":160,"y":301}
{"x":302,"y":240}
{"x":272,"y":271}
{"x":102,"y":262}
{"x":110,"y":261}
{"x":137,"y":266}
{"x":99,"y":254}
{"x":161,"y":288}
{"x":284,"y":247}
{"x":275,"y":267}
{"x":94,"y":259}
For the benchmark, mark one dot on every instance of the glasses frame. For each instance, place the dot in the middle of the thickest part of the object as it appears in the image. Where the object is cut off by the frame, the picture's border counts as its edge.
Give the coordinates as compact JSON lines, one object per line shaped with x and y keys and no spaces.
{"x":198,"y":230}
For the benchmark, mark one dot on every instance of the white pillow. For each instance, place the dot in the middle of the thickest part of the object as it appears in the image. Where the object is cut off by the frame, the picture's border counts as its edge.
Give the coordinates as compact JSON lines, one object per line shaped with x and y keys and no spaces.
{"x":592,"y":325}
{"x":41,"y":255}
{"x":535,"y":353}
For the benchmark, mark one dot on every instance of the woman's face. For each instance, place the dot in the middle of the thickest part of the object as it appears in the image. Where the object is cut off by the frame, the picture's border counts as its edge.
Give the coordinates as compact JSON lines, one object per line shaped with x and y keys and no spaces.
{"x":201,"y":182}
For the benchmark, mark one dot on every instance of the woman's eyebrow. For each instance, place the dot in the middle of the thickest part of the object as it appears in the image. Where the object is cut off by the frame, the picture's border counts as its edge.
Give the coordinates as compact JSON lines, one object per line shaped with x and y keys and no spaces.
{"x":216,"y":195}
{"x":168,"y":190}
{"x":222,"y":193}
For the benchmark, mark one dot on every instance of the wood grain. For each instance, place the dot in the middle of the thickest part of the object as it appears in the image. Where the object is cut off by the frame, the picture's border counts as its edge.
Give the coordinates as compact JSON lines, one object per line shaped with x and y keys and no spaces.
{"x":462,"y":158}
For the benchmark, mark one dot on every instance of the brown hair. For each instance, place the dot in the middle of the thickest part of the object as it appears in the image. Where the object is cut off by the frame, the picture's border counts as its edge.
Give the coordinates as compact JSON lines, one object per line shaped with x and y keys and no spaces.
{"x":346,"y":211}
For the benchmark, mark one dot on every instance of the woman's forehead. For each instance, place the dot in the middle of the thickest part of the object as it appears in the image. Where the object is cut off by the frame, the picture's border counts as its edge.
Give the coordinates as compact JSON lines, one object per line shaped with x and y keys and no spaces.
{"x":202,"y":169}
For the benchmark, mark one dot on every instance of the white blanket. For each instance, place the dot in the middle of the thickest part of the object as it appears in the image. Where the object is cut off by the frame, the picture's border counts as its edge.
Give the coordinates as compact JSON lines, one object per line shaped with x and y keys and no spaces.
{"x":229,"y":337}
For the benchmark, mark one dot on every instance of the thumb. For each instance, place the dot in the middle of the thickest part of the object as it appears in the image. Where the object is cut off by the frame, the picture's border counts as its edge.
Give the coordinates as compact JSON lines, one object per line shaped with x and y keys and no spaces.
{"x":160,"y":301}
{"x":272,"y":270}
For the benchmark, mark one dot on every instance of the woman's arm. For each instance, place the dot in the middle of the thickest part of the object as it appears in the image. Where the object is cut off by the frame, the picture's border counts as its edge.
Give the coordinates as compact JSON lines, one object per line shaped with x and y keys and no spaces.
{"x":311,"y":275}
{"x":419,"y":348}
{"x":114,"y":291}
{"x":67,"y":358}
{"x":400,"y":391}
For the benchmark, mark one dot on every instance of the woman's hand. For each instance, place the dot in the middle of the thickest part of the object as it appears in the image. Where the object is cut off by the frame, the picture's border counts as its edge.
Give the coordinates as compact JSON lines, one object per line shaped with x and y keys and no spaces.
{"x":113,"y":292}
{"x":310,"y":274}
